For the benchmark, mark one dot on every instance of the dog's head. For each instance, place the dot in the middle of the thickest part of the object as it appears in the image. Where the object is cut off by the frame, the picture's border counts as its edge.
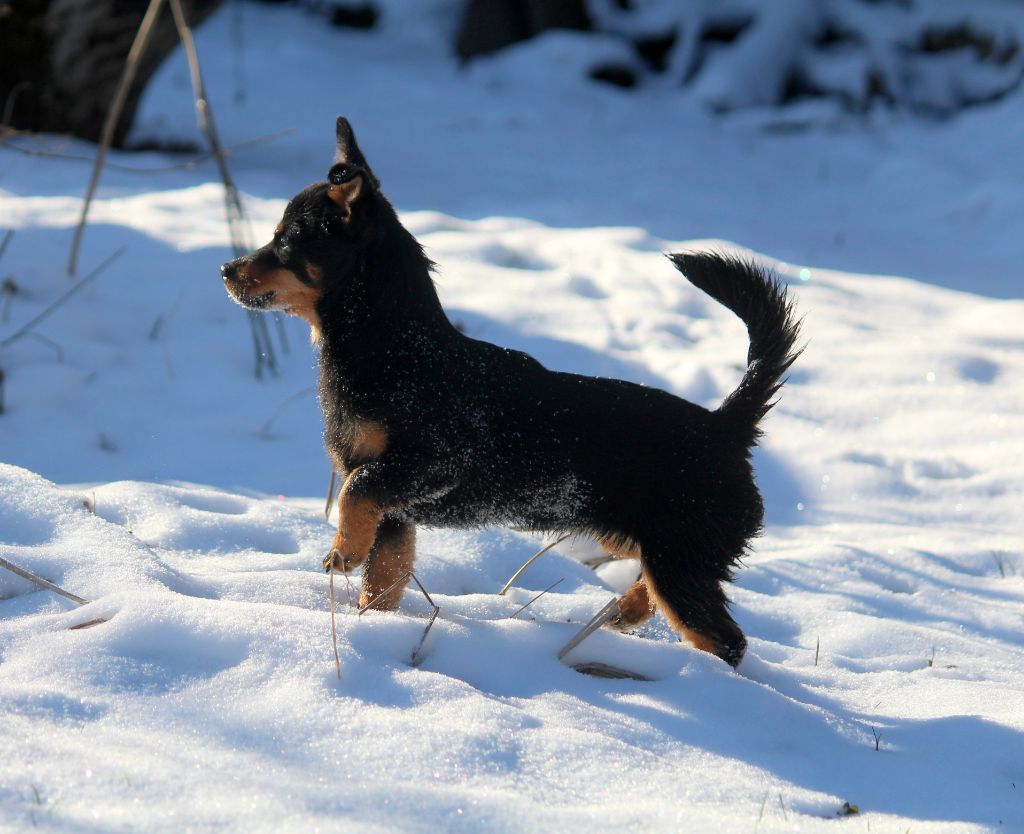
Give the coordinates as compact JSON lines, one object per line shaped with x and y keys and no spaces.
{"x":318,"y":241}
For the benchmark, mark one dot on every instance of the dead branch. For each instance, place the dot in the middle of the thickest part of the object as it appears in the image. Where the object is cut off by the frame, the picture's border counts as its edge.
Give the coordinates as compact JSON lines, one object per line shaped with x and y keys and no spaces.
{"x":24,"y":573}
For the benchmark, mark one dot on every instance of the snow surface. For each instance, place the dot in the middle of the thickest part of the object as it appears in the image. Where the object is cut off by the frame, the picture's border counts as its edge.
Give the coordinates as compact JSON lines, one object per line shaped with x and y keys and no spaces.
{"x":145,"y":469}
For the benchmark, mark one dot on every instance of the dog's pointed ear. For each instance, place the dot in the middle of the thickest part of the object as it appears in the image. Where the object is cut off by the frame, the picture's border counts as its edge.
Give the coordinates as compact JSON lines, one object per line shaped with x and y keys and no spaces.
{"x":348,"y":150}
{"x":347,"y":184}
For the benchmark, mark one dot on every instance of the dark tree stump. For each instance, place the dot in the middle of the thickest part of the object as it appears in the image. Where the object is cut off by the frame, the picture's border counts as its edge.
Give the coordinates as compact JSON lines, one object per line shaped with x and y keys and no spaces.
{"x":61,"y":60}
{"x":490,"y":25}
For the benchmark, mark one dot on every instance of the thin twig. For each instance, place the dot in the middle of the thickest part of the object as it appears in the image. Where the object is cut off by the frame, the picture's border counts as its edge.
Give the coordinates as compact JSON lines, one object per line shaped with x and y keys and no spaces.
{"x":186,"y":165}
{"x":49,"y":343}
{"x":532,"y":601}
{"x":241,"y":241}
{"x":334,"y":630}
{"x":7,"y":239}
{"x":405,"y":577}
{"x":26,"y":328}
{"x":598,"y":620}
{"x":265,"y":428}
{"x":330,"y":495}
{"x":24,"y":573}
{"x":113,"y":117}
{"x":530,"y":561}
{"x":597,"y":669}
{"x":597,"y":561}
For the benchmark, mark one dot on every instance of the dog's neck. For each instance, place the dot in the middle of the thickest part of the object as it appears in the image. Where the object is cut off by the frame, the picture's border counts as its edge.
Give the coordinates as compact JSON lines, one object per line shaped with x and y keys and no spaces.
{"x":384,"y":316}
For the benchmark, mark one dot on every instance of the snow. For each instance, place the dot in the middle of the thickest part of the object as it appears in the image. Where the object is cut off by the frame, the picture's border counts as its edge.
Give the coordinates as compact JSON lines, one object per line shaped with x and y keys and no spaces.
{"x":144,"y":468}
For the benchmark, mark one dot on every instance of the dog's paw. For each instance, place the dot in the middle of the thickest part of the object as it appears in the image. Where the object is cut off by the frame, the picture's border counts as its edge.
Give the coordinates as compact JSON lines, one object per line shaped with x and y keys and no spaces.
{"x":635,"y":608}
{"x":343,"y":563}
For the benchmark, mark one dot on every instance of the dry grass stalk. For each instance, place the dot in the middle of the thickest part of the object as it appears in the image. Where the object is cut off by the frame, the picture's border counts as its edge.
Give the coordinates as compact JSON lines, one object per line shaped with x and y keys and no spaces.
{"x":597,"y":669}
{"x":532,"y":601}
{"x":110,"y":124}
{"x":434,"y":609}
{"x":334,"y":630}
{"x":530,"y":561}
{"x":330,"y":495}
{"x":7,"y":239}
{"x":241,"y":237}
{"x":264,"y":430}
{"x":24,"y":573}
{"x":27,"y":327}
{"x":6,"y":134}
{"x":87,"y":624}
{"x":599,"y":619}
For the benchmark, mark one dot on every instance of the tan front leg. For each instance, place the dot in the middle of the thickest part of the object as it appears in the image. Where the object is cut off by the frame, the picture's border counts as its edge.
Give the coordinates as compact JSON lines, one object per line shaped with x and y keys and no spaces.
{"x":358,"y":519}
{"x":392,"y":558}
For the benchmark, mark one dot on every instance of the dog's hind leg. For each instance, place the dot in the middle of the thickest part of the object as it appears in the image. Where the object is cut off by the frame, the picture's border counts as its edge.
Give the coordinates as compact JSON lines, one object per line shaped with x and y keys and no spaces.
{"x":392,"y":557}
{"x":696,"y":607}
{"x":635,"y":606}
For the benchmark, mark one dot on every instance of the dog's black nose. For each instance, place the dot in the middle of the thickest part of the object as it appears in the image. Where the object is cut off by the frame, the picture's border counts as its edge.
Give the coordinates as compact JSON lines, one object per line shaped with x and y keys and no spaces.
{"x":227,"y":272}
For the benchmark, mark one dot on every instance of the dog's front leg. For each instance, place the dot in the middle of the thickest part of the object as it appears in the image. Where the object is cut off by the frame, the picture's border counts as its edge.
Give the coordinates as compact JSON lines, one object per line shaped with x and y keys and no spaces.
{"x":388,"y":483}
{"x":358,"y":519}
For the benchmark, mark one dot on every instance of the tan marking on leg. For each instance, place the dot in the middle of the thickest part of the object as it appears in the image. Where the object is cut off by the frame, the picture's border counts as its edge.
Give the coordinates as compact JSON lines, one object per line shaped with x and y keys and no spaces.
{"x":695,"y":638}
{"x":389,"y":559}
{"x":620,"y":548}
{"x":358,"y":519}
{"x":701,"y":642}
{"x":368,"y":440}
{"x":635,"y":607}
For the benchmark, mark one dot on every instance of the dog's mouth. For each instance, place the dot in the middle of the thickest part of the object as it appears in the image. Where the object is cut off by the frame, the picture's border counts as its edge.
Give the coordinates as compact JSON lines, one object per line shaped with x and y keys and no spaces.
{"x":254,"y":302}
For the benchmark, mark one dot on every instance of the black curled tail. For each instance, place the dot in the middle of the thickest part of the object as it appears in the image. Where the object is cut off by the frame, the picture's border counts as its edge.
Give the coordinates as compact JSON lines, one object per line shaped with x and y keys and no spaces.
{"x":754,"y":294}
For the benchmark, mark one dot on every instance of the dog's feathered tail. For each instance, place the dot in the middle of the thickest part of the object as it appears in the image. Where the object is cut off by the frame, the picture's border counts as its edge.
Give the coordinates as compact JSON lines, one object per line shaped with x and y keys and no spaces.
{"x":757,"y":297}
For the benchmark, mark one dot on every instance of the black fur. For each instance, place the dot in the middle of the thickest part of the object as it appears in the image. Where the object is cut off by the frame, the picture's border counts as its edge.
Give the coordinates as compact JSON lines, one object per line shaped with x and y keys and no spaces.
{"x":479,"y":434}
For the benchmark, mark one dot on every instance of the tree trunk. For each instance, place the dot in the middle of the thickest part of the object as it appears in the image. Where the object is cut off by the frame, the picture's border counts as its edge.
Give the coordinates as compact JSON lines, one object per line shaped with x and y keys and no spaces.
{"x":61,"y":60}
{"x":490,"y":25}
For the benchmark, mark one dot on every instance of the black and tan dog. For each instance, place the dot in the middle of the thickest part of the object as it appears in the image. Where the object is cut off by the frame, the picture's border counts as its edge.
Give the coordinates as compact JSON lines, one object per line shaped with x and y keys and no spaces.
{"x":432,"y":427}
